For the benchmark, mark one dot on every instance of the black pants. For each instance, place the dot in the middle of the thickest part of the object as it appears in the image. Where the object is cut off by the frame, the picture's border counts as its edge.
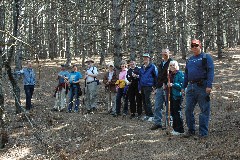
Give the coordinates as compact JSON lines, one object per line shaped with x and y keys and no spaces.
{"x":146,"y":92}
{"x":176,"y":113}
{"x":135,"y":99}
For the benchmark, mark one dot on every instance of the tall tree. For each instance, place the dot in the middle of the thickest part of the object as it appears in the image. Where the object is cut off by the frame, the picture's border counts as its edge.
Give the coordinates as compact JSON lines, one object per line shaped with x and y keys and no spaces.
{"x":117,"y":30}
{"x":16,"y":89}
{"x":132,"y":37}
{"x":2,"y":24}
{"x":150,"y":26}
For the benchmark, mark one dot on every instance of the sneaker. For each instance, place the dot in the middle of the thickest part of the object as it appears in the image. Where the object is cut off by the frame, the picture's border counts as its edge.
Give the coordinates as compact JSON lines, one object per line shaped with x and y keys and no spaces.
{"x":174,"y":133}
{"x":155,"y":126}
{"x":112,"y":113}
{"x":75,"y":111}
{"x":189,"y":134}
{"x":145,"y":118}
{"x":124,"y":114}
{"x":69,"y":111}
{"x":150,"y":119}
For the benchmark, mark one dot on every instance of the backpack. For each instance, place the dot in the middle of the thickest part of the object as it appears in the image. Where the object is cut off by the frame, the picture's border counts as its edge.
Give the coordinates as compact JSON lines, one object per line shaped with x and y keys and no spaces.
{"x":95,"y":79}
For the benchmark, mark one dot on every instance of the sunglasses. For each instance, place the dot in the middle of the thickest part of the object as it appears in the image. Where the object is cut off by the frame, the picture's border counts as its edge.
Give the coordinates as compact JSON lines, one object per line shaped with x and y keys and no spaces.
{"x":171,"y":65}
{"x":194,"y":45}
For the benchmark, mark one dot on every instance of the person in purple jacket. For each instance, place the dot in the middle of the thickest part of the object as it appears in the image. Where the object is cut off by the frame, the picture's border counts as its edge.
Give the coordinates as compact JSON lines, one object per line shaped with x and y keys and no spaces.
{"x":198,"y":79}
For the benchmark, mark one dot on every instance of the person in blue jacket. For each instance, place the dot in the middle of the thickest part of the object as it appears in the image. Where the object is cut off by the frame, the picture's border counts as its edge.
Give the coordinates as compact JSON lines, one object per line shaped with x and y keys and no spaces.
{"x":176,"y":82}
{"x":73,"y":81}
{"x":198,"y":79}
{"x":29,"y":81}
{"x":147,"y":81}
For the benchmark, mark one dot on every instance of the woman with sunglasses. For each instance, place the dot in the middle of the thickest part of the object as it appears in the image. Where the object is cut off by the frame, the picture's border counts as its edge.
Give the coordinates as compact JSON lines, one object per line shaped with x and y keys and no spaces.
{"x":121,"y":83}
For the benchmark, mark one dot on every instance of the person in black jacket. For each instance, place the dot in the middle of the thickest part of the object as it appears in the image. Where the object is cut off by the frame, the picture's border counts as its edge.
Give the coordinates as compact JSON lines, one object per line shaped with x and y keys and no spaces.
{"x":135,"y":98}
{"x":161,"y":89}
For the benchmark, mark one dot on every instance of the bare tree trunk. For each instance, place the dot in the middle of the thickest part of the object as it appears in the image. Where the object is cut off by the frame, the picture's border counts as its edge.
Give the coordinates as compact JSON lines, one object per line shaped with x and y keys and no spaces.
{"x":220,"y":42}
{"x":117,"y":34}
{"x":150,"y":26}
{"x":200,"y":20}
{"x":103,"y":35}
{"x":2,"y":129}
{"x":132,"y":30}
{"x":16,"y":89}
{"x":68,"y":53}
{"x":183,"y":27}
{"x":52,"y":31}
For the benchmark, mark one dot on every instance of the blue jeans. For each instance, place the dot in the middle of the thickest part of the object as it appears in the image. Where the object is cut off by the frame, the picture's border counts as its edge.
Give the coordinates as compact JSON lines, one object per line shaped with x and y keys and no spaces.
{"x":146,"y":93}
{"x":197,"y":94}
{"x":160,"y":98}
{"x":119,"y":96}
{"x":29,"y":92}
{"x":74,"y":91}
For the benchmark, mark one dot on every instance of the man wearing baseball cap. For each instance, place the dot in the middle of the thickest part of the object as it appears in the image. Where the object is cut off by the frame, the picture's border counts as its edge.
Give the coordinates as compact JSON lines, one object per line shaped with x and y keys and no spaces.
{"x":147,"y":80}
{"x":198,"y":79}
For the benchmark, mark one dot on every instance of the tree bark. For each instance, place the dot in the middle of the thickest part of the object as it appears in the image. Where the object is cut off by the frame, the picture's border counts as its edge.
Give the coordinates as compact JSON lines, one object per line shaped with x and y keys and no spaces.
{"x":117,"y":34}
{"x":16,"y":89}
{"x":133,"y":30}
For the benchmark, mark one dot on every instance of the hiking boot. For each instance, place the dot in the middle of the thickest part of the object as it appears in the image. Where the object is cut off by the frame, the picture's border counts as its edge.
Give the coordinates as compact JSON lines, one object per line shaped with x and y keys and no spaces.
{"x":189,"y":134}
{"x":155,"y":126}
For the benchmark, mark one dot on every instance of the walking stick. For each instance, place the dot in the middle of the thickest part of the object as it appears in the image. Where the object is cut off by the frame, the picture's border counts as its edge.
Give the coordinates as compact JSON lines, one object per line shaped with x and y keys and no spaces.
{"x":110,"y":96}
{"x":168,"y":76}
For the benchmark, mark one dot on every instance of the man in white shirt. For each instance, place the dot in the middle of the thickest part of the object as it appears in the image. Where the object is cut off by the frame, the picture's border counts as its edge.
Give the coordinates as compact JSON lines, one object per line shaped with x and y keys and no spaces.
{"x":91,"y":85}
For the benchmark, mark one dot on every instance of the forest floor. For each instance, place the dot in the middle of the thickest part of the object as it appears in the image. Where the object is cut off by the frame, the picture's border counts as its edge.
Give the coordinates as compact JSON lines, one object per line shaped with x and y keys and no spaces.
{"x":61,"y":135}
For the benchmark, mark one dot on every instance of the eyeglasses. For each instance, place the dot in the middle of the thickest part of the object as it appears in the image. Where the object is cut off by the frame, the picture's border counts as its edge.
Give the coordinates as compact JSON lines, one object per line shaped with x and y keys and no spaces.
{"x":171,"y":65}
{"x":194,"y":45}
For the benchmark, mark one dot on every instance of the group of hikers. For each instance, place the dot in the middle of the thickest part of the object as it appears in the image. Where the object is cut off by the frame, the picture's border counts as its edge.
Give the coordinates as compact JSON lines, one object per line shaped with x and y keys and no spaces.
{"x":135,"y":85}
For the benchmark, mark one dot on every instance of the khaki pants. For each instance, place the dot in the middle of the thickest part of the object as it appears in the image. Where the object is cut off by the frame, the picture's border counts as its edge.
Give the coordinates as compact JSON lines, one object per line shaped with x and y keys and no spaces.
{"x":60,"y":101}
{"x":111,"y":99}
{"x":91,"y":93}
